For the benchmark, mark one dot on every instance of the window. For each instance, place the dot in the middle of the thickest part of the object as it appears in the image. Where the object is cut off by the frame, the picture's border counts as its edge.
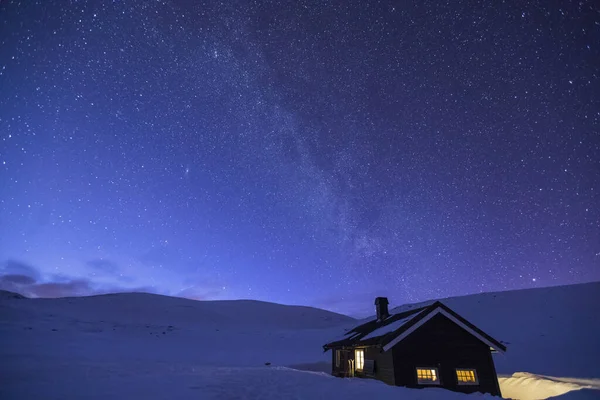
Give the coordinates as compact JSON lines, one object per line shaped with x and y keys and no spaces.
{"x":428,"y":376}
{"x":467,"y":377}
{"x":359,"y":357}
{"x":337,"y":358}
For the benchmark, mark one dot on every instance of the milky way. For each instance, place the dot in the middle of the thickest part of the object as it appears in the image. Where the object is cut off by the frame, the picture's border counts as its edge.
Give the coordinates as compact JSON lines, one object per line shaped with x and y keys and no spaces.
{"x":303,"y":152}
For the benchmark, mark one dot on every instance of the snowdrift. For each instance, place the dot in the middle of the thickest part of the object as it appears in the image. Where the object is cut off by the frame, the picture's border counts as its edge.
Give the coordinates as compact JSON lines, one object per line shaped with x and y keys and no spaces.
{"x":526,"y":386}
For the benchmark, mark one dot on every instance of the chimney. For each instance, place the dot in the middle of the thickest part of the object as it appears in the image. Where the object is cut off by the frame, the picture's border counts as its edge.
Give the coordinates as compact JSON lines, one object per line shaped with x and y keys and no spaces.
{"x":381,"y":306}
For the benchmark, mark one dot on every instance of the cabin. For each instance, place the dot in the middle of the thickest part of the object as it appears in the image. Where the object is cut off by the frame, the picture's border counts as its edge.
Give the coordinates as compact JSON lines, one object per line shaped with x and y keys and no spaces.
{"x":429,"y":346}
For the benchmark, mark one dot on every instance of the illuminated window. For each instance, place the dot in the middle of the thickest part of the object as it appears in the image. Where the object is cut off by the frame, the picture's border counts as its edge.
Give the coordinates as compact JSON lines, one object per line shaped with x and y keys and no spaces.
{"x":337,"y":358}
{"x":359,"y":357}
{"x":466,"y":377}
{"x":428,"y":376}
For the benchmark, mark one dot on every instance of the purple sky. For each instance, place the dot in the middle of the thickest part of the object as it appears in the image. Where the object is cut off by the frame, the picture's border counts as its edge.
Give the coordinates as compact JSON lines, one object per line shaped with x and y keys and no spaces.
{"x":298,"y":153}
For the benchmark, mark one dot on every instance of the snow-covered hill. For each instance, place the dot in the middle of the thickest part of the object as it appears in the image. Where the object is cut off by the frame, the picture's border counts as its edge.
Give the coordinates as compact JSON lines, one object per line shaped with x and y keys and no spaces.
{"x":150,"y":327}
{"x":147,"y":346}
{"x":141,"y":308}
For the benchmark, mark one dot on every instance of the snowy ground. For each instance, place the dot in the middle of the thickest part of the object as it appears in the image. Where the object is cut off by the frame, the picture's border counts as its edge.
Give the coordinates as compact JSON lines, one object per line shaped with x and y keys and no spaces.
{"x":155,"y":347}
{"x":155,"y":381}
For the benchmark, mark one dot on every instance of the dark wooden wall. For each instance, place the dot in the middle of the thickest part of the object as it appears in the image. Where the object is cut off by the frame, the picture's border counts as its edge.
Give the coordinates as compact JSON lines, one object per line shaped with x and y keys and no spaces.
{"x":384,"y":364}
{"x":442,"y":344}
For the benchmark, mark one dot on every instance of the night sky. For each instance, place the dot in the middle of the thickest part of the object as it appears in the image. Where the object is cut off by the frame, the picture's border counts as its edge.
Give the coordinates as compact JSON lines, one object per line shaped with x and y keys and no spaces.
{"x":304,"y":152}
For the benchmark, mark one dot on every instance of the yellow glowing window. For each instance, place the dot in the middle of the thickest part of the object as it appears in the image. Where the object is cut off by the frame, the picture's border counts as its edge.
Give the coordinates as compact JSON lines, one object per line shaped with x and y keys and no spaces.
{"x":359,"y":359}
{"x":428,"y":376}
{"x":466,"y":377}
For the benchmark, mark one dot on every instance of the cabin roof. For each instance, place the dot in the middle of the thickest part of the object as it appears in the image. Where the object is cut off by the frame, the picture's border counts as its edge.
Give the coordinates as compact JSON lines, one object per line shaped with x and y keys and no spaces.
{"x":396,"y":327}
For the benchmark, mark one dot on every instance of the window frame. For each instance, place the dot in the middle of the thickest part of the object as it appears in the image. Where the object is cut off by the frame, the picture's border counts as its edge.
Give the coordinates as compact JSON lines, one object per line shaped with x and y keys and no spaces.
{"x":356,"y":360}
{"x":459,"y":382}
{"x":437,"y":382}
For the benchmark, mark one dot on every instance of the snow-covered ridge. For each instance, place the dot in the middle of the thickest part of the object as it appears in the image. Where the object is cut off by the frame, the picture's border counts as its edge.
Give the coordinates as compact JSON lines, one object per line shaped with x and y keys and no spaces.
{"x":142,"y":308}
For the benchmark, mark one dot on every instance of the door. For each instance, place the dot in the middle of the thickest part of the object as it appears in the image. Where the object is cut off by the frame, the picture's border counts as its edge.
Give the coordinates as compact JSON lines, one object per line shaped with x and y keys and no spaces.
{"x":346,"y":367}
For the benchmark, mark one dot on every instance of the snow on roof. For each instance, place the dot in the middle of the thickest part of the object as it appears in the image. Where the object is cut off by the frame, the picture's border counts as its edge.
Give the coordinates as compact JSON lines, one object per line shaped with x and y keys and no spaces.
{"x":376,"y":328}
{"x":350,"y":334}
{"x":388,"y":328}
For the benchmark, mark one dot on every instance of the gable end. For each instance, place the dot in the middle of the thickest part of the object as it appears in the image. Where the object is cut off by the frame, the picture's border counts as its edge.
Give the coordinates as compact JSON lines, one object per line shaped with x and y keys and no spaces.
{"x":439,"y":310}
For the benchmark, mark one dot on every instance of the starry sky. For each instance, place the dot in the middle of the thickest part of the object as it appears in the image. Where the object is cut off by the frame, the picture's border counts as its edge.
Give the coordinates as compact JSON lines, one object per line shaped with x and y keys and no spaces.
{"x":304,"y":152}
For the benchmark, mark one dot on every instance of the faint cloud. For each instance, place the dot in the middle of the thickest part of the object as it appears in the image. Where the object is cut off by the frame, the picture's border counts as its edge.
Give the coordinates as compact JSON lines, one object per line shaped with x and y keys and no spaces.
{"x":12,"y":267}
{"x":107,"y":268}
{"x":77,"y":287}
{"x":24,"y":279}
{"x":30,"y":287}
{"x":104,"y":265}
{"x":17,"y":279}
